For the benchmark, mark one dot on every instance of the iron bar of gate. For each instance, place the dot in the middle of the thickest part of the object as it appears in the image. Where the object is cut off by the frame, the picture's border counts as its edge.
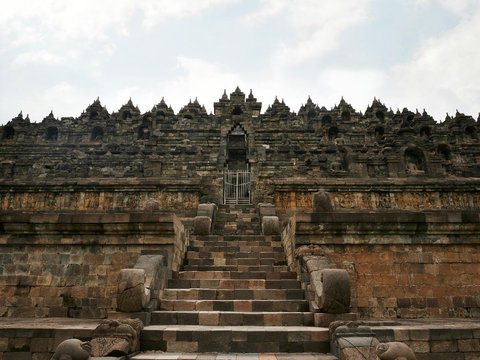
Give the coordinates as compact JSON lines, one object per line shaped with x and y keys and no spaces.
{"x":237,"y":187}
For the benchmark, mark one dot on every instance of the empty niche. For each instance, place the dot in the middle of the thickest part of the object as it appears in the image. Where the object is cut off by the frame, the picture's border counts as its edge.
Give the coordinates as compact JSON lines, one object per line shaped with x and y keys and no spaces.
{"x":414,"y":161}
{"x":51,"y":134}
{"x":345,"y":115}
{"x":443,"y":150}
{"x":471,"y":132}
{"x":8,"y":133}
{"x":426,"y":131}
{"x":97,"y":134}
{"x":144,"y":131}
{"x":326,"y":120}
{"x":379,"y":133}
{"x":380,"y":116}
{"x":237,"y":110}
{"x":332,"y":133}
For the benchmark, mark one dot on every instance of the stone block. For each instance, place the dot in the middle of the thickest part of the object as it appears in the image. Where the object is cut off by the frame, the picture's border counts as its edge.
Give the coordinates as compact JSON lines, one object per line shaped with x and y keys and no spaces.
{"x":209,"y":210}
{"x":322,"y":202}
{"x":132,"y":294}
{"x":265,"y":209}
{"x":324,"y":319}
{"x":202,"y":225}
{"x":332,"y":290}
{"x":270,"y":225}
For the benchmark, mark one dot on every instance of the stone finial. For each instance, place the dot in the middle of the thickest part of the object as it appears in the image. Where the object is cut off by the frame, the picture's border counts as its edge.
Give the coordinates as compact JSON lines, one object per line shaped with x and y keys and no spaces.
{"x":332,"y":290}
{"x":73,"y":349}
{"x":322,"y":202}
{"x":394,"y":350}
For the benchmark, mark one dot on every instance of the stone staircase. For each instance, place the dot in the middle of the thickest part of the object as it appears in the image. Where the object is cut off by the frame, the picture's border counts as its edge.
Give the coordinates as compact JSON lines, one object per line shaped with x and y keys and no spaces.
{"x":237,"y":220}
{"x":234,"y":294}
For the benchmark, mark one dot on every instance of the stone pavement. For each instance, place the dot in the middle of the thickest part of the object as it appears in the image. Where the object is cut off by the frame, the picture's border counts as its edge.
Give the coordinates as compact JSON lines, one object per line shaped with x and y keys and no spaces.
{"x":263,"y":356}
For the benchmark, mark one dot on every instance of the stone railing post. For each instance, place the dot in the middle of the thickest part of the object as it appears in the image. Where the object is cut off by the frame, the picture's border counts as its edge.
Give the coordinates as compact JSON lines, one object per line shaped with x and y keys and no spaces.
{"x":203,"y":222}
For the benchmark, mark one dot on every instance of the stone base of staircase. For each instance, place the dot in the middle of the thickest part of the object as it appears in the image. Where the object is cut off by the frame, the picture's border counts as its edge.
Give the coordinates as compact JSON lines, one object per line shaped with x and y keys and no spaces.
{"x":154,"y":355}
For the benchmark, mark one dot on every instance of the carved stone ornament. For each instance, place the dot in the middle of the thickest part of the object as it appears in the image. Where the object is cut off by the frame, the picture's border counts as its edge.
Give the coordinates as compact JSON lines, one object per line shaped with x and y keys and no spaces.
{"x":116,"y":337}
{"x":72,"y":349}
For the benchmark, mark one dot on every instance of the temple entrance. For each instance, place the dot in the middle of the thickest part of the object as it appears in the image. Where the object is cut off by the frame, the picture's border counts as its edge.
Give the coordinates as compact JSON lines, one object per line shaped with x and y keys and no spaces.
{"x":236,"y":187}
{"x":237,"y":182}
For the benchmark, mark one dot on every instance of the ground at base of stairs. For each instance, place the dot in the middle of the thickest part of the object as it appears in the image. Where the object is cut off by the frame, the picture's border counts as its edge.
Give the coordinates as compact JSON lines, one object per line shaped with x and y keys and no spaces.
{"x":153,"y":355}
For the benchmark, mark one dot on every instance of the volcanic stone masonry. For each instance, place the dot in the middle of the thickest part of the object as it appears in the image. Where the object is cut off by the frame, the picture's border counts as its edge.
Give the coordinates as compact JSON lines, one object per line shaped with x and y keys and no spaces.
{"x":83,"y":197}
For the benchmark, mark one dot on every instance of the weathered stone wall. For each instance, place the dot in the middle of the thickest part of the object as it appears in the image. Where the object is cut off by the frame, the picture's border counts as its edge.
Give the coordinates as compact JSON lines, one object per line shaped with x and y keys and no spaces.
{"x":402,"y":265}
{"x":410,"y":281}
{"x":395,"y":194}
{"x":67,"y":264}
{"x":100,"y":195}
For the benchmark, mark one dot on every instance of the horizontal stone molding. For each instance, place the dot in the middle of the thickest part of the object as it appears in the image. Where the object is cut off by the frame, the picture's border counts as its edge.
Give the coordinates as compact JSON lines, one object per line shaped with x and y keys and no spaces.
{"x":439,"y":227}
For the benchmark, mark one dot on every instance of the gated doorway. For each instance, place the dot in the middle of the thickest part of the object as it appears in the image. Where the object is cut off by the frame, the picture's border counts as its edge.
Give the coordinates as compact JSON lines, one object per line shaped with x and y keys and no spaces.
{"x":237,"y":179}
{"x":237,"y":187}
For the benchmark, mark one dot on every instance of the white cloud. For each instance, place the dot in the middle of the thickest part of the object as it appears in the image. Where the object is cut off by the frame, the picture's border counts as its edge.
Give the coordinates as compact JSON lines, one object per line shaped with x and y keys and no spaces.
{"x":444,"y":72}
{"x":201,"y":79}
{"x":36,"y":57}
{"x":23,"y":20}
{"x":318,"y":25}
{"x":156,"y":11}
{"x":459,"y":7}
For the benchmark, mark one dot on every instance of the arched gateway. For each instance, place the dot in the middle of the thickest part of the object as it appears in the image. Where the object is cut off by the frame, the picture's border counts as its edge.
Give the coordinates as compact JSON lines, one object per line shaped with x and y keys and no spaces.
{"x":237,"y":181}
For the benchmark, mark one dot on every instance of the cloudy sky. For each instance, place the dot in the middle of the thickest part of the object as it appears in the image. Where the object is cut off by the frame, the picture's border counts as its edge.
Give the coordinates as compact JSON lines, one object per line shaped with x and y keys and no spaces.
{"x":61,"y":54}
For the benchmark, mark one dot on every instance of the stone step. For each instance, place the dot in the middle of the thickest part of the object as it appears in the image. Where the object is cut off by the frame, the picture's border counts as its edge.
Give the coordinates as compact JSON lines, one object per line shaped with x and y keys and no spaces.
{"x":233,"y":294}
{"x":160,"y":355}
{"x":250,"y":284}
{"x":232,"y":318}
{"x":223,"y":247}
{"x":237,"y":262}
{"x":234,"y":255}
{"x":228,"y":238}
{"x":236,"y":243}
{"x":242,"y":268}
{"x":234,"y":305}
{"x":243,"y":339}
{"x":198,"y":275}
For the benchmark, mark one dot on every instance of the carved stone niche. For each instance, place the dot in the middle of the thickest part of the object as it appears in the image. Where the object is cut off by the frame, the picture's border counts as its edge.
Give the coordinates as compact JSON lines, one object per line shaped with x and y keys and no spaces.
{"x":116,"y":337}
{"x":415,"y":163}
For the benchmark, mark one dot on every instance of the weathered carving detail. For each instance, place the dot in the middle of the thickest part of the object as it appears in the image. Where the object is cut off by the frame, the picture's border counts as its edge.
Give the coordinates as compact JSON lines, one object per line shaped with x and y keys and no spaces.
{"x":73,"y":349}
{"x":395,"y":351}
{"x":116,"y":337}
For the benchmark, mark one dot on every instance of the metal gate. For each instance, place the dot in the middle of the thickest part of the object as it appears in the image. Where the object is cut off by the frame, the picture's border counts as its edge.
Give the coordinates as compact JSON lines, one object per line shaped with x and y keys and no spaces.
{"x":236,"y":187}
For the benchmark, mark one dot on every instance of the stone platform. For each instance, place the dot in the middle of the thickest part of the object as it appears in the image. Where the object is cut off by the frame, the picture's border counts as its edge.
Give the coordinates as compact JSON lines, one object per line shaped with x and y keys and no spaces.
{"x":452,"y":339}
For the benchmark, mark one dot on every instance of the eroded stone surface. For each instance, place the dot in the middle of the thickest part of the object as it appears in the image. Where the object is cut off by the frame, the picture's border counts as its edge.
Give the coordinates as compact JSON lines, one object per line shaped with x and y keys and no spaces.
{"x":73,"y":349}
{"x":132,"y":294}
{"x":116,"y":337}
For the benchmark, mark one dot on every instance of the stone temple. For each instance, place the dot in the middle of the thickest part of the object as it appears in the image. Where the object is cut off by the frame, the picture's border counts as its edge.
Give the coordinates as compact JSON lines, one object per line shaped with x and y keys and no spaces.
{"x":297,"y":235}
